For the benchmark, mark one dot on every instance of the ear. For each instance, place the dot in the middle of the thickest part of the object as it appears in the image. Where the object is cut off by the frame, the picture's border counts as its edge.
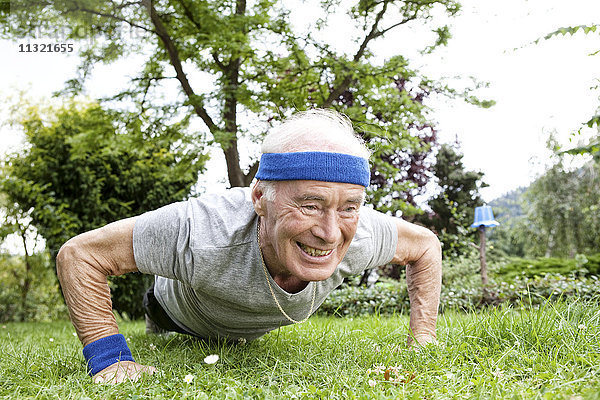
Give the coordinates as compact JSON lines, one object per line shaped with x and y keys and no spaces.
{"x":258,"y":200}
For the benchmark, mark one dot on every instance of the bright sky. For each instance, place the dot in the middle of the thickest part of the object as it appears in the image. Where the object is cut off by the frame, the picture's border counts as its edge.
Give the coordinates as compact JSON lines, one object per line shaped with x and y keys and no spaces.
{"x":539,"y":88}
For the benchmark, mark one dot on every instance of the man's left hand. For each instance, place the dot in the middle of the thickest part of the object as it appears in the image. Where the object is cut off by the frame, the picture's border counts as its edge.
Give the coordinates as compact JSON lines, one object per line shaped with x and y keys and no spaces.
{"x":122,"y":371}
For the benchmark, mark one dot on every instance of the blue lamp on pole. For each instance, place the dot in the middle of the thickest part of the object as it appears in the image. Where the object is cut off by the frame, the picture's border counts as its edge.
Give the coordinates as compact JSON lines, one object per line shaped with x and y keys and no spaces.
{"x":484,"y":217}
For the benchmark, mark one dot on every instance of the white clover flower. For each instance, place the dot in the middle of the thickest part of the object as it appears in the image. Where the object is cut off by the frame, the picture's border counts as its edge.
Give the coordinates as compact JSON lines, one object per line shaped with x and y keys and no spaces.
{"x":74,"y":334}
{"x":152,"y":346}
{"x":213,"y":358}
{"x":188,"y":378}
{"x":498,"y":373}
{"x":582,"y":327}
{"x":372,"y":382}
{"x":51,"y":339}
{"x":378,"y":369}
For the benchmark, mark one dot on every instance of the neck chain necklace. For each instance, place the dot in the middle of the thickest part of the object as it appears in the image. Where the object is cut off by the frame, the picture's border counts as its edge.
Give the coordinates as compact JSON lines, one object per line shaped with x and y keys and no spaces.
{"x":271,"y":288}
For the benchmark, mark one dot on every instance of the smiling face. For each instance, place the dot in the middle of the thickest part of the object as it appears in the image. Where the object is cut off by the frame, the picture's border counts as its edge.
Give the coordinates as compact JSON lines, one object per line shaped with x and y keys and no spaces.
{"x":307,"y":227}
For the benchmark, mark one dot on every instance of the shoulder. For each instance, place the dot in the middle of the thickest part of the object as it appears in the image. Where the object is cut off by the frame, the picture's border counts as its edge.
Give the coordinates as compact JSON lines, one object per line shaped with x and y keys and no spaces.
{"x":371,"y":222}
{"x":212,"y":219}
{"x":414,"y":241}
{"x":374,"y":242}
{"x":223,"y":219}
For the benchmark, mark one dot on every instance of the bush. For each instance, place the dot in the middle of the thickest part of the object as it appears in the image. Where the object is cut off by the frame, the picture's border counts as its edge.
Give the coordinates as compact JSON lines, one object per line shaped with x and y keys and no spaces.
{"x":127,"y":292}
{"x":516,"y":283}
{"x":582,"y":265}
{"x":29,"y":295}
{"x":387,"y":297}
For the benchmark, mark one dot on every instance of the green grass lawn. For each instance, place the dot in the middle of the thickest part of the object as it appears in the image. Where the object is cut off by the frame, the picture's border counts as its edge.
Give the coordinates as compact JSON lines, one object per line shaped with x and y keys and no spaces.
{"x":547,"y":353}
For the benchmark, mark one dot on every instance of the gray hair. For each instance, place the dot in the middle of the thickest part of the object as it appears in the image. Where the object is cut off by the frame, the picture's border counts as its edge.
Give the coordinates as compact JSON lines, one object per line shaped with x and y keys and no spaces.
{"x":312,"y":130}
{"x":267,"y":188}
{"x":315,"y":130}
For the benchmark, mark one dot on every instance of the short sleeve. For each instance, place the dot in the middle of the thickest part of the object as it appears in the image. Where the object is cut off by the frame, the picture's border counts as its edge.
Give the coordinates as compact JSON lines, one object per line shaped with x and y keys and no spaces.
{"x":161,"y":242}
{"x":182,"y":241}
{"x":374,"y":243}
{"x":383,"y":232}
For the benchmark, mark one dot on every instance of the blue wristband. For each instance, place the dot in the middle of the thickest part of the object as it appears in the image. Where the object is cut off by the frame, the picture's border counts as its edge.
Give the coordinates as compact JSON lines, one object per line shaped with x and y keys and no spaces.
{"x":105,"y":352}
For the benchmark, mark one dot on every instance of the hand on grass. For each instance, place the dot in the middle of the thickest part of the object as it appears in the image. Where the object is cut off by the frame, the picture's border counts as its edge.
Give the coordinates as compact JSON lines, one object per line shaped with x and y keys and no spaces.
{"x":421,"y":339}
{"x":122,"y":371}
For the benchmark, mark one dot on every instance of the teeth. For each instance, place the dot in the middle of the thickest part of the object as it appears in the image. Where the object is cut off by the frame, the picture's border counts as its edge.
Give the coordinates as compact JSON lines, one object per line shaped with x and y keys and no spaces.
{"x":314,"y":252}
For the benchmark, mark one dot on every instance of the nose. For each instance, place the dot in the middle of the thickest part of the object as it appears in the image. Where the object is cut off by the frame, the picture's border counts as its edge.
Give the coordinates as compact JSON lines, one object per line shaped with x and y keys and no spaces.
{"x":328,"y":228}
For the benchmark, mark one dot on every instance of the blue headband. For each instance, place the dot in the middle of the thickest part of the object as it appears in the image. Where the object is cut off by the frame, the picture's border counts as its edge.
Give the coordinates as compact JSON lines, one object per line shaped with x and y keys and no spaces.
{"x":314,"y":166}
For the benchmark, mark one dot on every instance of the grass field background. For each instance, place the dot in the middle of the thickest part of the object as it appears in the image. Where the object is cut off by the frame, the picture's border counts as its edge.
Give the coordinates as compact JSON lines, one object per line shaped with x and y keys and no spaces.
{"x":550,"y":352}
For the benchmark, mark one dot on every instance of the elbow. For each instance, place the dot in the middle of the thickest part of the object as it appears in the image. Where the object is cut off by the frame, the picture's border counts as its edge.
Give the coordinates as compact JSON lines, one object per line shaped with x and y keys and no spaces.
{"x":433,"y":250}
{"x":434,"y":244}
{"x":67,"y":257}
{"x":430,"y":256}
{"x":433,"y":255}
{"x":430,"y":247}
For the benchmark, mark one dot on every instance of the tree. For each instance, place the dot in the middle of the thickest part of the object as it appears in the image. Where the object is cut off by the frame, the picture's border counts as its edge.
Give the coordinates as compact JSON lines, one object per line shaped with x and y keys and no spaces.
{"x":510,"y":237}
{"x":260,"y":68}
{"x":87,"y":167}
{"x":593,"y":146}
{"x":562,"y":208}
{"x":562,"y":205}
{"x":17,"y":222}
{"x":29,"y":292}
{"x":452,"y":209}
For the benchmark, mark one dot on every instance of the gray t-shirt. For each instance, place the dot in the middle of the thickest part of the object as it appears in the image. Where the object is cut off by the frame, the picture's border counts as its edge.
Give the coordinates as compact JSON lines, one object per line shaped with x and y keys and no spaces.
{"x":209,"y":275}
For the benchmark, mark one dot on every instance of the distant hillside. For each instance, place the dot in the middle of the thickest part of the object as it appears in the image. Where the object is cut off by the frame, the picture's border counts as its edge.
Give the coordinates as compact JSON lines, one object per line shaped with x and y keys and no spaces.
{"x":507,"y":207}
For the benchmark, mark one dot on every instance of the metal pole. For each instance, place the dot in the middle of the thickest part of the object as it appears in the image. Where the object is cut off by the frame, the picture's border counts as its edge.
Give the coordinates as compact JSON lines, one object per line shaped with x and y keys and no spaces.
{"x":484,"y":274}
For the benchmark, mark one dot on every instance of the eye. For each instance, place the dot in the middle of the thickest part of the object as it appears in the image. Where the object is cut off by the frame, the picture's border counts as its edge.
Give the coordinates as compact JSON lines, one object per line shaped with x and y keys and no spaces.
{"x":309,"y":207}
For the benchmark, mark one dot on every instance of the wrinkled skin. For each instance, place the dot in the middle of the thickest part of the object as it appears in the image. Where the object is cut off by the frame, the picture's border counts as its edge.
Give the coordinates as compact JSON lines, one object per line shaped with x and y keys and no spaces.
{"x":306,"y":231}
{"x":121,"y":372}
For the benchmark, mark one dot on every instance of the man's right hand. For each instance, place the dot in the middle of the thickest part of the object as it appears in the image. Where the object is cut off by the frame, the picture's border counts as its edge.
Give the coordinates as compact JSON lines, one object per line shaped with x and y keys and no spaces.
{"x":122,"y":371}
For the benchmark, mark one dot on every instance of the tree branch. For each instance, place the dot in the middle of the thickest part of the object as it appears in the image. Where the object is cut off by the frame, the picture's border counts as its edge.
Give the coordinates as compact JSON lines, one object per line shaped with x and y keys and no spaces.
{"x":336,"y":92}
{"x":115,"y":17}
{"x":231,"y":73}
{"x":188,"y":13}
{"x":218,"y":62}
{"x":162,"y":33}
{"x":373,"y":34}
{"x":404,"y":21}
{"x":251,"y":173}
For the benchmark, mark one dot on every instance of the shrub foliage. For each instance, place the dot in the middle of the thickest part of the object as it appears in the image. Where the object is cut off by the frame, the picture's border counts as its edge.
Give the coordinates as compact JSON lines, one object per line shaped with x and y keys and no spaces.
{"x":84,"y":166}
{"x":517,"y":283}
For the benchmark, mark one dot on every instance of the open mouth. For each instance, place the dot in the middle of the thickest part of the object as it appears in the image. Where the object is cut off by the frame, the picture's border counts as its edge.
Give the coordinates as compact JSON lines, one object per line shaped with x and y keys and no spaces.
{"x":311,"y":251}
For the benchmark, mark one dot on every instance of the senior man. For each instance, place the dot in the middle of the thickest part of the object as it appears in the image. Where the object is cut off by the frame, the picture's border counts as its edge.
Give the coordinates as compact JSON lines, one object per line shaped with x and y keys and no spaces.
{"x":241,"y":263}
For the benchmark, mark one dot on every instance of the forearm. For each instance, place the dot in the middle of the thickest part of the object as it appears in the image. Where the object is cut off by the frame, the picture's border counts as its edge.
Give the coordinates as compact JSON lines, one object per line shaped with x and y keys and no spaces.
{"x":87,"y":296}
{"x":83,"y":265}
{"x":424,"y":280}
